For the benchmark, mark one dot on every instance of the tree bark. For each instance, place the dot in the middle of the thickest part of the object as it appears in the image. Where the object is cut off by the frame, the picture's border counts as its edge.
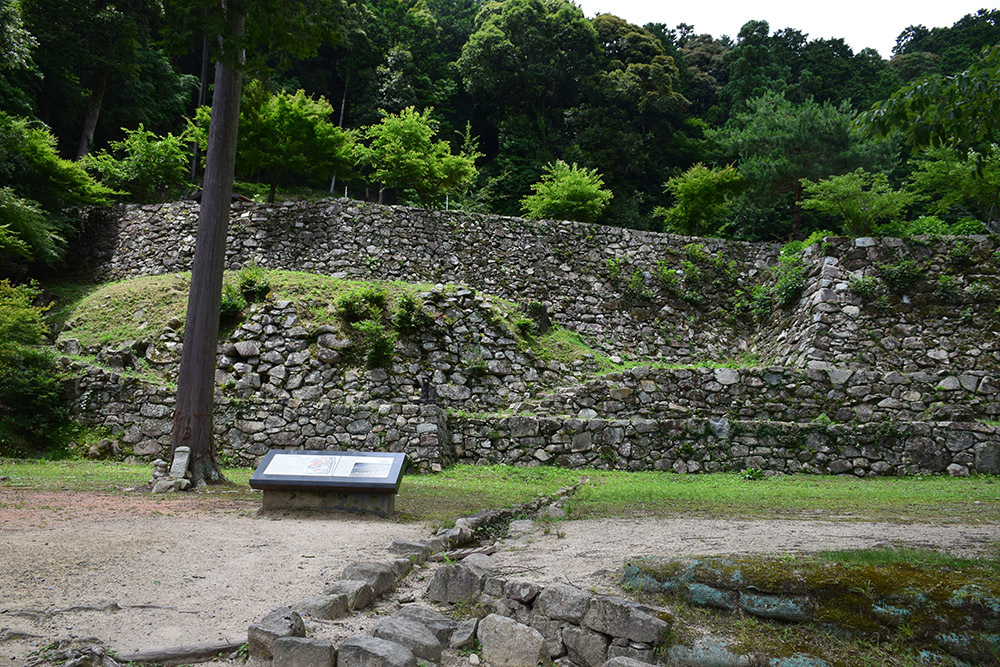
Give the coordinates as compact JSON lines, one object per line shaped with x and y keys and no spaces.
{"x":192,"y":425}
{"x":797,"y":214}
{"x":93,"y":113}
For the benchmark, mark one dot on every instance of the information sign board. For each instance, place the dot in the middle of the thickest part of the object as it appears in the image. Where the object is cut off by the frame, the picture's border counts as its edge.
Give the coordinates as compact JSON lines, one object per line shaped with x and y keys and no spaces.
{"x":363,"y":472}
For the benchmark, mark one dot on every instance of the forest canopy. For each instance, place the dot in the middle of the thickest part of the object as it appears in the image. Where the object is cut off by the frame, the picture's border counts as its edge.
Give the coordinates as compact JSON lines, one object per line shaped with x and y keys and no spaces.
{"x":686,"y":132}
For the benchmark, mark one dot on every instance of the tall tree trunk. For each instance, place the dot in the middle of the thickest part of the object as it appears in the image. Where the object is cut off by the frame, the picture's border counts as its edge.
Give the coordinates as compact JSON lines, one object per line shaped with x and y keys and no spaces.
{"x":203,"y":85}
{"x":196,"y":379}
{"x":797,"y":215}
{"x":93,"y":113}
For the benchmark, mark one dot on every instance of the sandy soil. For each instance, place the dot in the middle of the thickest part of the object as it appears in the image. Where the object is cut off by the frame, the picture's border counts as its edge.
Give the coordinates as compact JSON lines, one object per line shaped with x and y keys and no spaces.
{"x":184,"y":571}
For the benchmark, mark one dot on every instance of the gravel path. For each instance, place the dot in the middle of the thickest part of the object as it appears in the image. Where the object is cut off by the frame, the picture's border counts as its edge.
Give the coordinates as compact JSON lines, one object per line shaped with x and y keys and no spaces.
{"x":154,"y":573}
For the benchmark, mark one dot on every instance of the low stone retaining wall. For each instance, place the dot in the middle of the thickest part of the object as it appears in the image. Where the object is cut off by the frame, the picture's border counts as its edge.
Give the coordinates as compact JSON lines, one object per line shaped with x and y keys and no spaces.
{"x":957,"y":614}
{"x":779,"y":393}
{"x":141,"y":415}
{"x":720,"y":444}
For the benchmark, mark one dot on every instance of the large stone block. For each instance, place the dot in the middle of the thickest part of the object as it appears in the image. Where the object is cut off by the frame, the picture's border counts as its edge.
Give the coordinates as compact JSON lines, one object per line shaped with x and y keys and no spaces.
{"x":988,"y":458}
{"x":561,"y":602}
{"x":411,"y":634}
{"x":623,"y":618}
{"x":359,"y":594}
{"x":456,"y":583}
{"x":507,"y":643}
{"x":304,"y":652}
{"x":365,"y":651}
{"x":377,"y":575}
{"x":585,"y":647}
{"x":282,"y":622}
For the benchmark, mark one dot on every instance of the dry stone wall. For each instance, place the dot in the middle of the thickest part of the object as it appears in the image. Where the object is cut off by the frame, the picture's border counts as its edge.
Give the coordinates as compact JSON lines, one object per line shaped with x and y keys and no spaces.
{"x":886,"y":362}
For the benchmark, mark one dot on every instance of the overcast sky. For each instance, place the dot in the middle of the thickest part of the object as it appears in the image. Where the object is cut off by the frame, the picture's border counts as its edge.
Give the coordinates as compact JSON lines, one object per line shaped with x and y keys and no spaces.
{"x":861,"y":23}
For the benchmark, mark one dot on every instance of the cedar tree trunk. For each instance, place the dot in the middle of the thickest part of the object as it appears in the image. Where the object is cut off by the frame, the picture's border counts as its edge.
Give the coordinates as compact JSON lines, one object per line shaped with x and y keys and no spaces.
{"x":93,"y":113}
{"x":196,"y":380}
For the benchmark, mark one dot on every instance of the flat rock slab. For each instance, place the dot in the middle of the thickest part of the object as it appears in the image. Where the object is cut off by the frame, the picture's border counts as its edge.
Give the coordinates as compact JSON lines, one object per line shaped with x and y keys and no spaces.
{"x":326,"y":607}
{"x":365,"y":651}
{"x":457,"y":583}
{"x":562,"y":603}
{"x":411,"y":634}
{"x":507,"y":643}
{"x":440,"y":625}
{"x":282,"y":622}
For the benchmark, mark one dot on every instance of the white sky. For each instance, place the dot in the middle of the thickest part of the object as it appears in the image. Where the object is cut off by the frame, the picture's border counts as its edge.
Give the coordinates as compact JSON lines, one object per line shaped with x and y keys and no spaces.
{"x":871,"y":23}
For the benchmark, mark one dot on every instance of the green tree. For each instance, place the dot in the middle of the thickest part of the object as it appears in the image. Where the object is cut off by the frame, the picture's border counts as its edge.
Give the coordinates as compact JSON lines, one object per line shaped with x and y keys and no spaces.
{"x":567,"y":193}
{"x":283,"y":135}
{"x":859,"y":200}
{"x":145,"y":166}
{"x":778,"y":143}
{"x":402,"y":153}
{"x":703,"y":200}
{"x":40,"y":186}
{"x":958,"y":110}
{"x":33,"y":417}
{"x":960,"y":185}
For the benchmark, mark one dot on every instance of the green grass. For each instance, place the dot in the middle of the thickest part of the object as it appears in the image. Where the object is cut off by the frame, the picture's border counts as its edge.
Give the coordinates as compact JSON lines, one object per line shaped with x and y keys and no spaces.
{"x":914,"y":557}
{"x":729,"y":495}
{"x":466,"y":489}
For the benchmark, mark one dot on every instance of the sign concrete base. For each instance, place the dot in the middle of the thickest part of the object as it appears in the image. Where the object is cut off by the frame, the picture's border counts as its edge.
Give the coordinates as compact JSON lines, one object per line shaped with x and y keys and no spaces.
{"x":381,"y":504}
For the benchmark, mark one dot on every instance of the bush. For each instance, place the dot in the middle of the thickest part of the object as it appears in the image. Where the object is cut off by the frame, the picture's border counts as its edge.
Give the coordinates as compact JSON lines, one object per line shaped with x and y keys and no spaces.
{"x":255,"y":284}
{"x":865,"y":287}
{"x":376,"y":342}
{"x":147,"y":167}
{"x":33,"y":417}
{"x":232,"y":305}
{"x":409,"y":316}
{"x":362,"y":303}
{"x":898,"y":277}
{"x":567,"y":193}
{"x":791,"y":273}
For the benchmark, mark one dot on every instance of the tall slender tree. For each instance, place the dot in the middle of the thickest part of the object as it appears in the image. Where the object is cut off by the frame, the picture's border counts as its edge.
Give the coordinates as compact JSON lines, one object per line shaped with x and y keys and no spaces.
{"x":295,"y":25}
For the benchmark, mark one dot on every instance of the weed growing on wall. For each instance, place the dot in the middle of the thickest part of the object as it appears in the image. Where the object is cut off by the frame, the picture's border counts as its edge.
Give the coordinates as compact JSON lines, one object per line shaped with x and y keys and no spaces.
{"x":233,"y":303}
{"x":901,"y":275}
{"x":409,"y":316}
{"x":255,"y":284}
{"x":362,"y":303}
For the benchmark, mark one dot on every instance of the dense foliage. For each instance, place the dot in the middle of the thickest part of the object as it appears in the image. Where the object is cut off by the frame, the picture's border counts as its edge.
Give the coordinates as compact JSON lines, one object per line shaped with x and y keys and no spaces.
{"x":426,"y":101}
{"x":33,"y":418}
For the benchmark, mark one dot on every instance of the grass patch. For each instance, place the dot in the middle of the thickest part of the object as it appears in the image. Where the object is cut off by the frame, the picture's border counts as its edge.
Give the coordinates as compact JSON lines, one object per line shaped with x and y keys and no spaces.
{"x":98,"y":476}
{"x":913,"y":557}
{"x":115,"y":312}
{"x":465,"y":489}
{"x":729,"y":495}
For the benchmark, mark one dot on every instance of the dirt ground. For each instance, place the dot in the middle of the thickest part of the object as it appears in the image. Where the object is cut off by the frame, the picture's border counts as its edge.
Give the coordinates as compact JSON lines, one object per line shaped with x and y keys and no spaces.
{"x":139,"y":572}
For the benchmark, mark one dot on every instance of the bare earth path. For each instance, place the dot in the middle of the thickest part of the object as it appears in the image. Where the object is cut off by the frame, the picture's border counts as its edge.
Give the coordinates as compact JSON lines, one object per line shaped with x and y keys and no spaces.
{"x":184,"y":571}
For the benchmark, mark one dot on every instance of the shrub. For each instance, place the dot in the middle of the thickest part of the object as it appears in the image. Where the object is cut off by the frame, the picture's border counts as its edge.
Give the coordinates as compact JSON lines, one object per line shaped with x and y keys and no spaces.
{"x":147,"y":167}
{"x":255,"y":284}
{"x":525,"y":327}
{"x":376,"y":342}
{"x":361,"y":303}
{"x":947,"y":287}
{"x":865,"y":287}
{"x":791,"y":273}
{"x":33,"y":417}
{"x":410,"y":315}
{"x":898,"y":277}
{"x":232,"y":304}
{"x":567,"y":193}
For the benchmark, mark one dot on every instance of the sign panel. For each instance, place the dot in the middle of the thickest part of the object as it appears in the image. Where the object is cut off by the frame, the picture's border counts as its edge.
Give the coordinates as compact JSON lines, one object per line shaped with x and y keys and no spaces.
{"x":368,"y":472}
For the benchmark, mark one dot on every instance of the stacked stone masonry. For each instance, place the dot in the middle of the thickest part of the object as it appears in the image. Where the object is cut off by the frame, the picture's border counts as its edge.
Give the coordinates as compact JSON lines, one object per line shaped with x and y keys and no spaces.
{"x":892,"y":379}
